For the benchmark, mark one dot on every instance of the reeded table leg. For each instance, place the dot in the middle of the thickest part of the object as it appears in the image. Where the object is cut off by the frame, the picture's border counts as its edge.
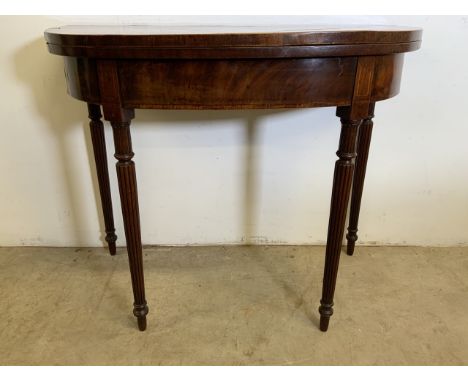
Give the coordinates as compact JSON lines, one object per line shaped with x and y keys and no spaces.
{"x":343,"y":176}
{"x":100,"y":157}
{"x":129,"y":199}
{"x":364,"y":139}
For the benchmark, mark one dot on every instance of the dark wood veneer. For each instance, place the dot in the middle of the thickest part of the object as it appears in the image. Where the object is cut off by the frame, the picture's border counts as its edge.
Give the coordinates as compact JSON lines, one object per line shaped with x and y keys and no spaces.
{"x":122,"y":68}
{"x":100,"y":156}
{"x":239,"y":84}
{"x":211,"y":36}
{"x":363,"y":143}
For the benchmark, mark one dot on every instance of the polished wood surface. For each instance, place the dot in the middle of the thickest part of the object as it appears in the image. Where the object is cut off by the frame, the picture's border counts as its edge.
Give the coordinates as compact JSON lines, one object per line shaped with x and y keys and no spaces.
{"x":363,"y":144}
{"x":100,"y":157}
{"x":232,"y":35}
{"x":148,"y":41}
{"x":342,"y":179}
{"x":123,"y":68}
{"x":235,"y":84}
{"x":239,"y":84}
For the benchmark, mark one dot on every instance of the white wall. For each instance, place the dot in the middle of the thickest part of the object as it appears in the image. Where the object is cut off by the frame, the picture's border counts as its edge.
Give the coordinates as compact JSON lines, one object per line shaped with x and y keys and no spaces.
{"x":235,"y":176}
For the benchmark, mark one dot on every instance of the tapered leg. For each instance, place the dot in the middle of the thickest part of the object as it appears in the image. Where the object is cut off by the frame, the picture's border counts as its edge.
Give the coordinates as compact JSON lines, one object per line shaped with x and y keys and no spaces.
{"x":364,"y":139}
{"x":100,"y":157}
{"x":129,"y":199}
{"x":343,"y":176}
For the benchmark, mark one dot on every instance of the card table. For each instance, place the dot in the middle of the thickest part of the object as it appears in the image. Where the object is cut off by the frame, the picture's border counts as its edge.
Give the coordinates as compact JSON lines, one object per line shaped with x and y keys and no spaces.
{"x":118,"y":69}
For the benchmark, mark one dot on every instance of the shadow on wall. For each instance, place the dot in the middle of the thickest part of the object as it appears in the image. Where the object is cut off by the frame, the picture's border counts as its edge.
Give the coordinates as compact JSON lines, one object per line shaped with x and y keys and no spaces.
{"x":62,"y":113}
{"x":250,"y":155}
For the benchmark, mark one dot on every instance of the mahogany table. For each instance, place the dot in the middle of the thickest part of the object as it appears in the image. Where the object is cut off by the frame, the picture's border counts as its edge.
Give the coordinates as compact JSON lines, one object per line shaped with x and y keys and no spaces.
{"x":123,"y":68}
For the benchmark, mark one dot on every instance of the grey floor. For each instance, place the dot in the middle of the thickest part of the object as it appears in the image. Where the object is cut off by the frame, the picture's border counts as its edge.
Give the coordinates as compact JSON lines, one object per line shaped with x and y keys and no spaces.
{"x":234,"y":306}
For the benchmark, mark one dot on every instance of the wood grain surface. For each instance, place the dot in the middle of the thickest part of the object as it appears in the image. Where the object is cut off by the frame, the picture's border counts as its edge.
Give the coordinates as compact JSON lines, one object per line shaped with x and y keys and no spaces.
{"x":150,"y":41}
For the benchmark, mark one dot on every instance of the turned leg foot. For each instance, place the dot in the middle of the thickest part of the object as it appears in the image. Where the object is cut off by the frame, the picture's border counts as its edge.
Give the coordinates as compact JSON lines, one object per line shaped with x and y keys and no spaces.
{"x":100,"y":157}
{"x":141,"y":323}
{"x":364,"y":139}
{"x":351,"y":236}
{"x":140,"y":312}
{"x":342,"y":179}
{"x":326,"y":311}
{"x":111,"y":244}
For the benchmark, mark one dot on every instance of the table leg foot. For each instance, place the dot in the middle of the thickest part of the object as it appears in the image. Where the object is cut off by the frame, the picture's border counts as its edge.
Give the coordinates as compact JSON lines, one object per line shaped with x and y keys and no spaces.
{"x":351,"y":237}
{"x":326,"y":311}
{"x":111,"y":244}
{"x":140,"y":311}
{"x":142,"y":323}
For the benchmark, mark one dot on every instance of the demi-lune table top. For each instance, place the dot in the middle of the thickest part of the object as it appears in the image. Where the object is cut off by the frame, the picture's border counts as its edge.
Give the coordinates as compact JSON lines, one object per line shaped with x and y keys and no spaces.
{"x":153,"y":41}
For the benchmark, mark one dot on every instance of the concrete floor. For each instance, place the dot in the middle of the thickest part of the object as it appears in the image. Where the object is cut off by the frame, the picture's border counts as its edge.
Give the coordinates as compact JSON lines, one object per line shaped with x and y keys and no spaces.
{"x":234,"y":306}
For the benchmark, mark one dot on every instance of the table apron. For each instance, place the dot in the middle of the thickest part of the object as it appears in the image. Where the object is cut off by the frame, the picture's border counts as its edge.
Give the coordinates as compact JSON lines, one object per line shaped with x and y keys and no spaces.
{"x":234,"y":84}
